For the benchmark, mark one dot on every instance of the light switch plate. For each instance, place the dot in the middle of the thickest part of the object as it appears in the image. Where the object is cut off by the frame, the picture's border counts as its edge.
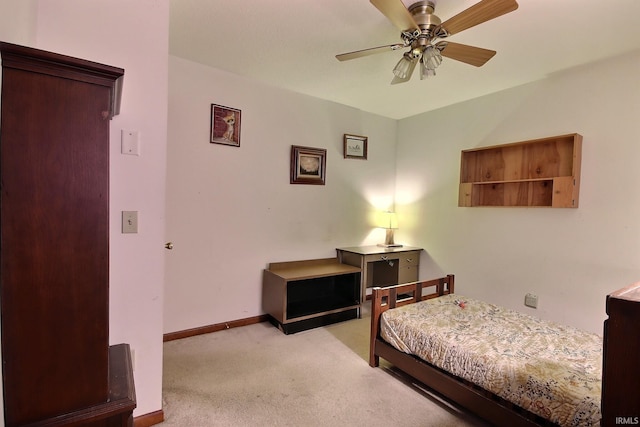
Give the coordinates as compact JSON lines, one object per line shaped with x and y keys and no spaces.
{"x":129,"y":221}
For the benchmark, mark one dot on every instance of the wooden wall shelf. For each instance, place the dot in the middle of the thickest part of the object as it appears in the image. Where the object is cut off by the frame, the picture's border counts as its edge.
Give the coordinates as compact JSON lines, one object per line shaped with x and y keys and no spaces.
{"x":536,"y":173}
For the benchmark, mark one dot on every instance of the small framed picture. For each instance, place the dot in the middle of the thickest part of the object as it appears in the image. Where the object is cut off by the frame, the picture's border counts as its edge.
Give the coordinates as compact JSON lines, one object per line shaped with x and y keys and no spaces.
{"x":308,"y":165}
{"x":355,"y":147}
{"x":225,"y":125}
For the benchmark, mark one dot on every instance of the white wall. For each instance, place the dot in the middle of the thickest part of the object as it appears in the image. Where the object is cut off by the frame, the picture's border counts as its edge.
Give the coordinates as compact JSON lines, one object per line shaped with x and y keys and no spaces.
{"x":231,"y":210}
{"x":109,"y":32}
{"x":570,"y":258}
{"x":18,"y":21}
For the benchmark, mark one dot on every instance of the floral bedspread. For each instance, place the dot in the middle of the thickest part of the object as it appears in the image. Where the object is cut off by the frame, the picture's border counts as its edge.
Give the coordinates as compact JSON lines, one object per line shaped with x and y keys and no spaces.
{"x":549,"y":369}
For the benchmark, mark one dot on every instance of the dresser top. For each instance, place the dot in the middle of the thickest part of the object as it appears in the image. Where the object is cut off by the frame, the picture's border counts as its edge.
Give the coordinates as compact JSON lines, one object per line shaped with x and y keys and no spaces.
{"x":374,"y":249}
{"x":630,"y":293}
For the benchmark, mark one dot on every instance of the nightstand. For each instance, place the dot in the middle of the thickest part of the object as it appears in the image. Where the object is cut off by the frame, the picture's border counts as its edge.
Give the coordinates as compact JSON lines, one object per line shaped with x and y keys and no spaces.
{"x":382,"y":266}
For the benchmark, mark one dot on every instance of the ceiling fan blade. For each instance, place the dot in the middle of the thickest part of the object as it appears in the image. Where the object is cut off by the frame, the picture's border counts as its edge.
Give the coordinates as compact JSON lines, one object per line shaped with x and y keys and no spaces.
{"x":397,"y":13}
{"x":468,"y":54}
{"x":476,"y":14}
{"x":367,"y":52}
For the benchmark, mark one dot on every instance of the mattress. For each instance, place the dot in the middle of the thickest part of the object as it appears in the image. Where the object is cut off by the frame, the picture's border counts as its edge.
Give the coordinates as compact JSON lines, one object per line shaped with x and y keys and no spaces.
{"x":549,"y":369}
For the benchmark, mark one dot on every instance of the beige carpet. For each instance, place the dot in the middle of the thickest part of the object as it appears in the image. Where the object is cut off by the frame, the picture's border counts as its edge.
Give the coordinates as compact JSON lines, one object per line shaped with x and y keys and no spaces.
{"x":257,"y":376}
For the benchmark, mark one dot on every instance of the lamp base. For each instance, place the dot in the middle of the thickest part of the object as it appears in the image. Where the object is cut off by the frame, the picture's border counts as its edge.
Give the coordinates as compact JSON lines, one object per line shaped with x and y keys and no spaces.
{"x":392,"y":245}
{"x":388,"y":241}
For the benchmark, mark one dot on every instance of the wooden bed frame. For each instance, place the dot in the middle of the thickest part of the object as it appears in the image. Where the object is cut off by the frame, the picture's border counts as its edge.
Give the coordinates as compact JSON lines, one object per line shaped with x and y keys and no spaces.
{"x":479,"y":401}
{"x":620,"y":373}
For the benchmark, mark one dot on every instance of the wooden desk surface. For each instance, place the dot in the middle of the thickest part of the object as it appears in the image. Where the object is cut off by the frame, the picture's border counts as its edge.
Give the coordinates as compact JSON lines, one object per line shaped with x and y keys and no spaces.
{"x":374,"y":249}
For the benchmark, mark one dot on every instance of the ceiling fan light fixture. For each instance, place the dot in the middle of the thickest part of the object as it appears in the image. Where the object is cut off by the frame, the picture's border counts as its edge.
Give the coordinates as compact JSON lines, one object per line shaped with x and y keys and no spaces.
{"x":404,"y":68}
{"x":431,"y":58}
{"x":426,"y":72}
{"x":420,"y":28}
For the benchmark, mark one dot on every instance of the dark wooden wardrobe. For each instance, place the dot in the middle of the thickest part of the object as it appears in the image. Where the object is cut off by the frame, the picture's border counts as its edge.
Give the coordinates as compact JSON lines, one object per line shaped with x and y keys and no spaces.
{"x":57,"y":365}
{"x":621,"y":368}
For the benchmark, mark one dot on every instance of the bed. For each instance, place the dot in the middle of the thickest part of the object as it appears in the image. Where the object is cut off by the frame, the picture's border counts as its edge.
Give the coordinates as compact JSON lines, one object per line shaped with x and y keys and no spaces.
{"x":530,"y":373}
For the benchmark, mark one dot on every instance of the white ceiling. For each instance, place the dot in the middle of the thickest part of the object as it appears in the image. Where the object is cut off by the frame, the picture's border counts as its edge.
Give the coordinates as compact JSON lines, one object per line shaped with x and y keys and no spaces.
{"x":292,"y":44}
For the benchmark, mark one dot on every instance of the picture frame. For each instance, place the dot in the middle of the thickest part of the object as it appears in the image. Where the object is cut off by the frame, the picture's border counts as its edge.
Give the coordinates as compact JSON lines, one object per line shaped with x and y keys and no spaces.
{"x":355,"y":146}
{"x":225,"y":125}
{"x":308,"y":165}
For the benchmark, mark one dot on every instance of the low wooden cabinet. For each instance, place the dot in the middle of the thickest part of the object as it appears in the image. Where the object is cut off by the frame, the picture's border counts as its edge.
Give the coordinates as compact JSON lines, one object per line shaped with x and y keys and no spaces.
{"x":382,"y":266}
{"x":541,"y":172}
{"x":621,"y":370}
{"x":300,"y":295}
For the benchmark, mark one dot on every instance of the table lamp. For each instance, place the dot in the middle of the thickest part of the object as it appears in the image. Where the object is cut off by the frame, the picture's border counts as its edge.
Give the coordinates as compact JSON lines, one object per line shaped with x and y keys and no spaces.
{"x":388,"y":221}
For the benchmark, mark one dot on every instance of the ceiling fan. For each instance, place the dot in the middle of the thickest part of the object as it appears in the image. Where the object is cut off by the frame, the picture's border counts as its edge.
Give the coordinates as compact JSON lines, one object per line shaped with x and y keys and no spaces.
{"x":420,"y":29}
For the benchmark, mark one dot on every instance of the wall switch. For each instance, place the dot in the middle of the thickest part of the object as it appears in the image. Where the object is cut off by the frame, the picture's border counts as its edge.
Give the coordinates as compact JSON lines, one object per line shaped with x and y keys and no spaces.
{"x":531,"y":300}
{"x":130,"y":142}
{"x":129,"y":221}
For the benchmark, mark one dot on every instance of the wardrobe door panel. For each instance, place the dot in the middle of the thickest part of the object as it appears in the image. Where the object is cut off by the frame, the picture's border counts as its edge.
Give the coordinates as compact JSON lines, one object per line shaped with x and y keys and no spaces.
{"x":54,"y":248}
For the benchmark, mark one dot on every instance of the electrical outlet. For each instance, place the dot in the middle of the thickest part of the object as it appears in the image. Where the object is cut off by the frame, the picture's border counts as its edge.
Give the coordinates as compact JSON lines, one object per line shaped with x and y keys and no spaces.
{"x":130,"y":142}
{"x":531,"y":300}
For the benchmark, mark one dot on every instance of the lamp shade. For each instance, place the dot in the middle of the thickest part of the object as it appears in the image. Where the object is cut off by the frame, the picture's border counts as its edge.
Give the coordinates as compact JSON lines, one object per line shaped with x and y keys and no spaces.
{"x":431,"y":58}
{"x":388,"y":220}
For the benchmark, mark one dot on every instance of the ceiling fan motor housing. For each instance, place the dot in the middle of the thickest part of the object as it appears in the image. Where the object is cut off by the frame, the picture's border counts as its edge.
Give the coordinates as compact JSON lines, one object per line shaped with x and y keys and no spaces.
{"x":422,"y":13}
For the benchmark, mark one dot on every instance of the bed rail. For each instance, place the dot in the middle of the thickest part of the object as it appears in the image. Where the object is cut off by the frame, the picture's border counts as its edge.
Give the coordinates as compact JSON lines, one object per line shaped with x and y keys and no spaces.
{"x":482,"y":403}
{"x":394,"y":296}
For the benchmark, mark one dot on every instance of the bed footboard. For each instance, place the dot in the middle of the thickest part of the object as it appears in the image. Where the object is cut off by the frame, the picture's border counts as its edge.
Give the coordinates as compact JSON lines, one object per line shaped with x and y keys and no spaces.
{"x":388,"y":297}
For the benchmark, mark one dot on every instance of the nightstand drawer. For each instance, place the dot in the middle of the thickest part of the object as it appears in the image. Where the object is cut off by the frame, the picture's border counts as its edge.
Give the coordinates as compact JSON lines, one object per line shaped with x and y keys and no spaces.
{"x":407,"y":274}
{"x":410,"y":259}
{"x":382,"y":257}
